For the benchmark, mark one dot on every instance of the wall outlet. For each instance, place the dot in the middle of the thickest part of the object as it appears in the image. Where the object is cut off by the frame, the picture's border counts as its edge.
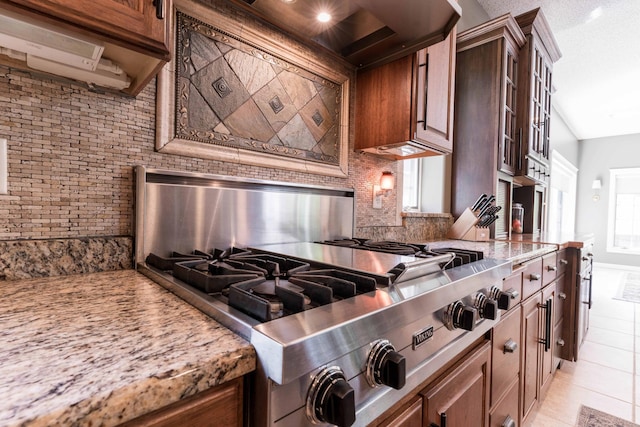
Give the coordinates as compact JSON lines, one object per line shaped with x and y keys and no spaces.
{"x":4,"y":166}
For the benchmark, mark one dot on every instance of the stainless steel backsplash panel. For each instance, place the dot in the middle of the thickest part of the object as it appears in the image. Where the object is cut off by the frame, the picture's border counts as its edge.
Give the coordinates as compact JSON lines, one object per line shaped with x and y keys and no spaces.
{"x":181,"y":211}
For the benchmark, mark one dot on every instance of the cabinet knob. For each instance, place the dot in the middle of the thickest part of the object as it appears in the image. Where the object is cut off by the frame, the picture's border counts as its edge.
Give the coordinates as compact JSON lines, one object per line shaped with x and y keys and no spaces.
{"x":534,"y":277}
{"x":508,"y":422}
{"x":560,"y":342}
{"x":562,"y":295}
{"x":551,"y":268}
{"x":510,"y":346}
{"x":564,"y":262}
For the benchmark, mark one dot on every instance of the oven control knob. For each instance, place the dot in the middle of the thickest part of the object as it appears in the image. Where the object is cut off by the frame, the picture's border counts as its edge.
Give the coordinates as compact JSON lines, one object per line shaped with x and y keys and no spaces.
{"x":503,"y":298}
{"x":487,"y":307}
{"x":331,"y":399}
{"x":385,"y":366}
{"x":458,"y":315}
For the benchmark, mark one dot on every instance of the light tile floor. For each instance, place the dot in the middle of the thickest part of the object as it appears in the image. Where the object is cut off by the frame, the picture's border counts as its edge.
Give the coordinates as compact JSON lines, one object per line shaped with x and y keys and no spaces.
{"x":607,"y":376}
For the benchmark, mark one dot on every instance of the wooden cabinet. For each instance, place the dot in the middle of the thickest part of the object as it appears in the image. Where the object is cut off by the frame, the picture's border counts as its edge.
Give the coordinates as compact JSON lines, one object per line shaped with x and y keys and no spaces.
{"x":404,"y":109}
{"x":220,"y":405}
{"x":534,"y":119}
{"x":529,"y":364}
{"x":410,"y":415}
{"x":461,"y":397}
{"x":134,"y":38}
{"x":505,"y":367}
{"x":128,"y":23}
{"x":485,"y":133}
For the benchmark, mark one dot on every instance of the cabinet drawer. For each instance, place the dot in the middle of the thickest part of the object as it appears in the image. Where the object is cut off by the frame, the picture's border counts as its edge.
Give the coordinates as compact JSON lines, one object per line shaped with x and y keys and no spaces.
{"x":507,"y":408}
{"x":506,"y":354}
{"x":531,"y":278}
{"x":513,"y":286}
{"x":562,"y":261}
{"x":549,"y":268}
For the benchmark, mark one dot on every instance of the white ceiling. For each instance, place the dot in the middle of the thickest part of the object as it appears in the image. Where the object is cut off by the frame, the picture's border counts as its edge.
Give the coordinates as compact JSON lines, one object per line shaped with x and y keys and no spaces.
{"x":598,"y":77}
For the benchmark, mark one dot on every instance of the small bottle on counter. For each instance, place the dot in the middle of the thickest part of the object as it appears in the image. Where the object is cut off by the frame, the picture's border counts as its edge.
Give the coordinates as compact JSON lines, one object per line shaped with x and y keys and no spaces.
{"x":517,"y":216}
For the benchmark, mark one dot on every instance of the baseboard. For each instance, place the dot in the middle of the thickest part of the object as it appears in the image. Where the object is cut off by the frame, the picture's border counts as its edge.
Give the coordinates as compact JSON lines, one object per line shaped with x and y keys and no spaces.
{"x":616,"y":266}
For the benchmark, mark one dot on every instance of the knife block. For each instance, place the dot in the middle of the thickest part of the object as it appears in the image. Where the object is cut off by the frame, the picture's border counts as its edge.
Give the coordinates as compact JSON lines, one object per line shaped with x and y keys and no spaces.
{"x":463,"y":225}
{"x":465,"y":228}
{"x":476,"y":234}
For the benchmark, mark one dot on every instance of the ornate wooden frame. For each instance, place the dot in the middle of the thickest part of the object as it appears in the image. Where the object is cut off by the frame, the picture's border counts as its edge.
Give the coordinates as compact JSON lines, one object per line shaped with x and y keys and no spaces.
{"x":268,"y":48}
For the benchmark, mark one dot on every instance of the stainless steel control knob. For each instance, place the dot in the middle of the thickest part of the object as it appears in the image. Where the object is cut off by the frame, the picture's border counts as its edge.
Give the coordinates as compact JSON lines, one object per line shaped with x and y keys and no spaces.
{"x":487,"y":307}
{"x":331,"y":399}
{"x":385,"y":366}
{"x":457,"y":315}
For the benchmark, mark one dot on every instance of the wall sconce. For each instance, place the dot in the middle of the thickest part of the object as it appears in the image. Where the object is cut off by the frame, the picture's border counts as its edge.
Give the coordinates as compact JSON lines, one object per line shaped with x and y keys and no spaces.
{"x":387,"y":182}
{"x":596,"y":186}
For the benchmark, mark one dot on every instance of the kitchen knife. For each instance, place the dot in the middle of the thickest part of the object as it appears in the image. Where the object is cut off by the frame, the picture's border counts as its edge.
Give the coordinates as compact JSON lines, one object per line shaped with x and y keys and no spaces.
{"x":493,"y":219}
{"x":486,"y":205}
{"x":478,"y":202}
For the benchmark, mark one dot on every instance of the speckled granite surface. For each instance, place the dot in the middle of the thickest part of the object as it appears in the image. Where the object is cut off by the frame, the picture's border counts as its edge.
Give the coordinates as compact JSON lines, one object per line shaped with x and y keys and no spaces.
{"x":99,"y":349}
{"x":515,"y":252}
{"x":25,"y":259}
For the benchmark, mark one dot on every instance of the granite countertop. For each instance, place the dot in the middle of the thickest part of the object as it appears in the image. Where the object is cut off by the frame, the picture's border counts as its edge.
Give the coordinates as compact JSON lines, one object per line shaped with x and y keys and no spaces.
{"x":562,"y":240}
{"x":516,"y":252}
{"x":100,"y":349}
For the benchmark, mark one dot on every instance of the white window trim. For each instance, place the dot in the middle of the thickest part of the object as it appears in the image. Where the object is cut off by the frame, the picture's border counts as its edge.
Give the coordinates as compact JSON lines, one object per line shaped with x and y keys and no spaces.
{"x":613,"y":174}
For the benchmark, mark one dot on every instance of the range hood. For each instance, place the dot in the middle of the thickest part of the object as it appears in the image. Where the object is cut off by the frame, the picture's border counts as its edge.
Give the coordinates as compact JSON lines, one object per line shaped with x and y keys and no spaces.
{"x":366,"y":33}
{"x":45,"y":47}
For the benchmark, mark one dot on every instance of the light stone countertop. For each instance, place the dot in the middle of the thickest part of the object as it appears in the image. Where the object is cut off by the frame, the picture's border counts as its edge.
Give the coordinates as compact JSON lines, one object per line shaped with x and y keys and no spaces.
{"x":516,"y":252}
{"x":100,"y":349}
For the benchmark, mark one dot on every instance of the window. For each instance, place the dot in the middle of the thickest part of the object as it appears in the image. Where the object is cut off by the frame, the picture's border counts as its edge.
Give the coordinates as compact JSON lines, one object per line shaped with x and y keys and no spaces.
{"x":411,"y":177}
{"x":623,"y":234}
{"x":562,"y":195}
{"x":426,"y":186}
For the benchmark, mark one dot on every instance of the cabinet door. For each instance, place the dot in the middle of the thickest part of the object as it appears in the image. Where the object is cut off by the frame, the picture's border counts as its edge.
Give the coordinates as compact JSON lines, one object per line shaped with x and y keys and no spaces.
{"x":510,"y":134}
{"x":461,"y":397}
{"x":540,"y":103}
{"x":530,"y":340}
{"x":131,"y":22}
{"x":221,"y":405}
{"x":505,"y":414}
{"x":547,"y":346}
{"x":408,"y":416}
{"x":505,"y":365}
{"x":433,"y":123}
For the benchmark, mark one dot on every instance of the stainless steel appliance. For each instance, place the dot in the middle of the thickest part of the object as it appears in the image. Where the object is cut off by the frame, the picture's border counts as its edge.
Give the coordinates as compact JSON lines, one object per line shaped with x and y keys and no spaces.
{"x":350,"y":331}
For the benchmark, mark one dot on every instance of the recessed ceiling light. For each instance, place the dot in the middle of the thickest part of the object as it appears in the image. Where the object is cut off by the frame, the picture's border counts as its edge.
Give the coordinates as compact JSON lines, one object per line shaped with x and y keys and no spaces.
{"x":323,"y":17}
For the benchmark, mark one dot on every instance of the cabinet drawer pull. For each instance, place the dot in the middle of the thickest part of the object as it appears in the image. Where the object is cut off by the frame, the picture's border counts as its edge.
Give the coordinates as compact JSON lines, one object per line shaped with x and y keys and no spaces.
{"x":510,"y":346}
{"x":159,"y":5}
{"x":560,"y":342}
{"x":513,"y":294}
{"x":551,"y":268}
{"x":562,"y":295}
{"x":564,"y":262}
{"x":534,"y":277}
{"x":508,"y":422}
{"x":443,"y":421}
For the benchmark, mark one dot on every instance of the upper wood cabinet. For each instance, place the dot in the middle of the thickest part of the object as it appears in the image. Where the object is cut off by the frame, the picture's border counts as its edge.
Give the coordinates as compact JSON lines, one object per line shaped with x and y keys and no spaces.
{"x":404,"y":109}
{"x":534,"y":120}
{"x":135,"y":33}
{"x":131,"y":23}
{"x":486,"y":109}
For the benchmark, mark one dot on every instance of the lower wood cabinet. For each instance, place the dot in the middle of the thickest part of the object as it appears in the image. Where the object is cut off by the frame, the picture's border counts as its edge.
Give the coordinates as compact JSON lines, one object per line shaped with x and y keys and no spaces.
{"x":505,"y":413}
{"x":461,"y":397}
{"x":220,"y":406}
{"x":410,"y":415}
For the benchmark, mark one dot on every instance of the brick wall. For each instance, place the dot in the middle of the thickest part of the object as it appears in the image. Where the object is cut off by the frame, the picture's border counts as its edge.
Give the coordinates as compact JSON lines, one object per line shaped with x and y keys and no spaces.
{"x":72,"y":151}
